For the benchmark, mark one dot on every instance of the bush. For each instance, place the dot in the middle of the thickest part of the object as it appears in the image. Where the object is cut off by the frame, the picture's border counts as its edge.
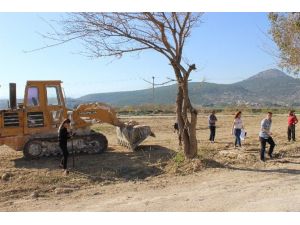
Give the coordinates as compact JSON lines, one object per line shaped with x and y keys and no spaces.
{"x":179,"y":158}
{"x":147,"y":109}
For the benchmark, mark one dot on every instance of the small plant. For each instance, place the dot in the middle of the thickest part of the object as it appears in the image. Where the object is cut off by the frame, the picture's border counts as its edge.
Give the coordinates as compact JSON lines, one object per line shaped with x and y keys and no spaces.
{"x":179,"y":158}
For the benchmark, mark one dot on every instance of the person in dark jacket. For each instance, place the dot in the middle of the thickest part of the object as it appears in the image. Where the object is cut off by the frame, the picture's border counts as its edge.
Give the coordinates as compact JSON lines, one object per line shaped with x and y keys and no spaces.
{"x":176,"y":129}
{"x":63,"y":136}
{"x":212,"y":119}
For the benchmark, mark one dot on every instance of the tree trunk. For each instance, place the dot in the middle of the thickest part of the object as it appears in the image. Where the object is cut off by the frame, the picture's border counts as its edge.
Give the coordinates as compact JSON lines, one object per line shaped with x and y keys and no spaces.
{"x":187,"y":129}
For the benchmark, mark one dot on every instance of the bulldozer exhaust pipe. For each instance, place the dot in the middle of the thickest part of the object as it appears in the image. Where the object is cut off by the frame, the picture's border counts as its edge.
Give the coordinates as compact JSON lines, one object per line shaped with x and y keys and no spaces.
{"x":13,"y":95}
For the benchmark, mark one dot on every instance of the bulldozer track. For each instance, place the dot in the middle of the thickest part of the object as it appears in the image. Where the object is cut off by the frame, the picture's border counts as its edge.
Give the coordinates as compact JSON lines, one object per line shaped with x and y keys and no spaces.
{"x":44,"y":147}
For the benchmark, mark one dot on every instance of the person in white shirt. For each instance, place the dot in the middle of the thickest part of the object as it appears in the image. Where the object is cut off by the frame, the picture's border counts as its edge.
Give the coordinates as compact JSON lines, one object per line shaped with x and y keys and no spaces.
{"x":265,"y":136}
{"x":237,"y":127}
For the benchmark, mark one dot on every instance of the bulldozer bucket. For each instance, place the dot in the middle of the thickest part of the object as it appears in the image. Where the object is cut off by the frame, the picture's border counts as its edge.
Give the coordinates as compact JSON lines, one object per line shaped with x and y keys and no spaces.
{"x":131,"y":136}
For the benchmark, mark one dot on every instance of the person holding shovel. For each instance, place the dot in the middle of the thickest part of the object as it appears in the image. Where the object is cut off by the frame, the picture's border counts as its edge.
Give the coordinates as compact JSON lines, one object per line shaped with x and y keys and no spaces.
{"x":63,"y":136}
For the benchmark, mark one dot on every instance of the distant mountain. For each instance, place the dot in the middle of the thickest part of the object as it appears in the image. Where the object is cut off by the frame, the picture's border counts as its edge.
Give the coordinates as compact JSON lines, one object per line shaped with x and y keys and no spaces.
{"x":207,"y":94}
{"x":273,"y":87}
{"x":268,"y":88}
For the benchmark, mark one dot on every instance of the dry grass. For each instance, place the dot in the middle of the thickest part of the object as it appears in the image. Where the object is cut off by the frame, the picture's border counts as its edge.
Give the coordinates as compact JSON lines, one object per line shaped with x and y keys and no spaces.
{"x":157,"y":156}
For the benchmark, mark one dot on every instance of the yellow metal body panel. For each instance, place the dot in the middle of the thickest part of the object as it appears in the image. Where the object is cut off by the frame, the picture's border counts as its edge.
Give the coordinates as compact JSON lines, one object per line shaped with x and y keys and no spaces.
{"x":95,"y":112}
{"x":33,"y":119}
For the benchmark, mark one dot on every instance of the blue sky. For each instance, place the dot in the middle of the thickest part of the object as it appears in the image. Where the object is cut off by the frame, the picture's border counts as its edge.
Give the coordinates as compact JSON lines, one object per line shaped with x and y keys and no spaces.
{"x":226,"y":47}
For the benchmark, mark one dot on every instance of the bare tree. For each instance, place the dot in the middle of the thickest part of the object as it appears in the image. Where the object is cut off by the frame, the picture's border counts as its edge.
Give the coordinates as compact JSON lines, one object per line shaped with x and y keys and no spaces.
{"x":114,"y":34}
{"x":285,"y":30}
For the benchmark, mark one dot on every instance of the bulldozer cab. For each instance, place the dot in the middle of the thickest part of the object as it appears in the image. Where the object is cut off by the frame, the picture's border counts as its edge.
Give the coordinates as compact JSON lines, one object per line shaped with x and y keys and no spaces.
{"x":42,"y":112}
{"x":44,"y":106}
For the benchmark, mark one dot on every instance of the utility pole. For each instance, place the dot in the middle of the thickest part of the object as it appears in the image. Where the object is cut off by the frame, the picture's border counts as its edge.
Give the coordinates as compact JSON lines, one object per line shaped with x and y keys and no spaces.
{"x":156,"y":84}
{"x":153,"y":88}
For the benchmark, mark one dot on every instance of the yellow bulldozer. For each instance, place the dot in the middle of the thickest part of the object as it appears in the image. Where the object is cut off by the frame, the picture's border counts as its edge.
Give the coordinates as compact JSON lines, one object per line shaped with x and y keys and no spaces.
{"x":32,"y":126}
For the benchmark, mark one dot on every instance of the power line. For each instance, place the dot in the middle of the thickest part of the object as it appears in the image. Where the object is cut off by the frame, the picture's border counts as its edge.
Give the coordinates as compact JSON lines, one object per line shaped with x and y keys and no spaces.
{"x":157,"y":84}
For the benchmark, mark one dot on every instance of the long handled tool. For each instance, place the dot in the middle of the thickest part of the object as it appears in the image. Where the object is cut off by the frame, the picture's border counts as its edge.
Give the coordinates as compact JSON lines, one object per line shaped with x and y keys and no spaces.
{"x":73,"y":153}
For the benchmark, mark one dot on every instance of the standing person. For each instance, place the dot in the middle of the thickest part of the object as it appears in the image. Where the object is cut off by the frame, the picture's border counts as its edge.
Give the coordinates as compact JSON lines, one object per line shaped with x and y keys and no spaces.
{"x":63,"y":136}
{"x":237,"y":128}
{"x":292,"y":121}
{"x":265,"y":136}
{"x":176,"y":129}
{"x":212,"y":119}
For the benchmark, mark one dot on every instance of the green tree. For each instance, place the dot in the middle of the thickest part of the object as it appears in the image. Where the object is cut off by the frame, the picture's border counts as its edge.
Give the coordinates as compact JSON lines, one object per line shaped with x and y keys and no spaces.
{"x":285,"y":30}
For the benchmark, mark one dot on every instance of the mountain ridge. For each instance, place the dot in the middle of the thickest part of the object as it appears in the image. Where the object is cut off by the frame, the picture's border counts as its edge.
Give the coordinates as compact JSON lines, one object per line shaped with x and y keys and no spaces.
{"x":268,"y":88}
{"x":271,"y":87}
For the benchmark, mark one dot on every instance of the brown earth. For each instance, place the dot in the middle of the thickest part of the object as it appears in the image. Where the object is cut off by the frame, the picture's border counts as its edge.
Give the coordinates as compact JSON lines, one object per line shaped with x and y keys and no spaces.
{"x":157,"y":178}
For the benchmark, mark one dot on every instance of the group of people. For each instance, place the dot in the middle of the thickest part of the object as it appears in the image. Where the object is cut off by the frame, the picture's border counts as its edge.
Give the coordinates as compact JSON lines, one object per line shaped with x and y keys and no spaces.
{"x":265,"y":134}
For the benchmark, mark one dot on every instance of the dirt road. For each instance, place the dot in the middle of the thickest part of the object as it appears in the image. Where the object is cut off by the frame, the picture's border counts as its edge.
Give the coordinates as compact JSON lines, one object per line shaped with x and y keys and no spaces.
{"x":212,"y":190}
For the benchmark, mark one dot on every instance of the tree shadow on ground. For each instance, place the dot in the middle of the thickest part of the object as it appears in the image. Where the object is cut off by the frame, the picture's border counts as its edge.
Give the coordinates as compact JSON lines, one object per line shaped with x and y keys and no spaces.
{"x":294,"y":156}
{"x":288,"y":162}
{"x":211,"y":163}
{"x":113,"y":164}
{"x":280,"y":170}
